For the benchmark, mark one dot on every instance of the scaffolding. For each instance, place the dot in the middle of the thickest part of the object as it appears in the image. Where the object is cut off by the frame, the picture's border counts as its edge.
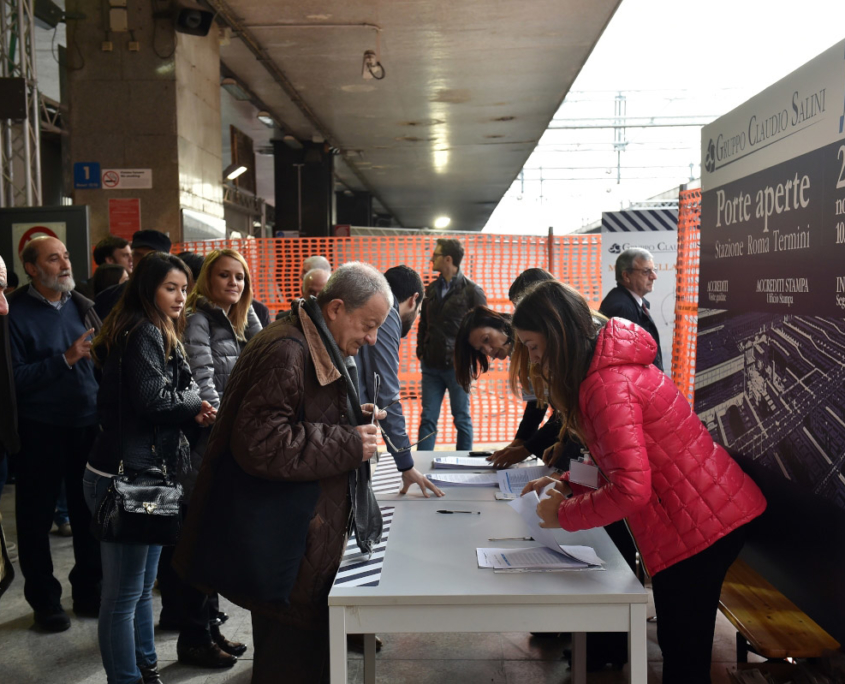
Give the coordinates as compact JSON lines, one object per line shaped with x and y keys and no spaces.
{"x":20,"y":141}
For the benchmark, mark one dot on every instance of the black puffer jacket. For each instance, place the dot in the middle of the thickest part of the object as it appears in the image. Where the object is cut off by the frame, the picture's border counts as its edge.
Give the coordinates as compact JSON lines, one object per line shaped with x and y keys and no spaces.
{"x":213,"y":347}
{"x":142,"y":414}
{"x":441,"y":317}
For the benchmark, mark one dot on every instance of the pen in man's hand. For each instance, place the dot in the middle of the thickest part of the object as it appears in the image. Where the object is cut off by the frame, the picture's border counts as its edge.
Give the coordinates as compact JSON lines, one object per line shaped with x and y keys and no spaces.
{"x":470,"y":512}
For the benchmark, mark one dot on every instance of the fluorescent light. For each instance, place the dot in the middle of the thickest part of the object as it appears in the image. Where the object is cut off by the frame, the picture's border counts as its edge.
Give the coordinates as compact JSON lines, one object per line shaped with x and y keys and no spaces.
{"x":233,"y":171}
{"x":266,"y":119}
{"x":231,"y":86}
{"x":442,"y":222}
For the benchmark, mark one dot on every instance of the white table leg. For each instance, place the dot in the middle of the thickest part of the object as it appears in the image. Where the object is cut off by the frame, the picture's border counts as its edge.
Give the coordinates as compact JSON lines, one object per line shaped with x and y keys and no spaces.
{"x":369,"y":659}
{"x":337,"y":644}
{"x":579,"y":657}
{"x":637,"y":649}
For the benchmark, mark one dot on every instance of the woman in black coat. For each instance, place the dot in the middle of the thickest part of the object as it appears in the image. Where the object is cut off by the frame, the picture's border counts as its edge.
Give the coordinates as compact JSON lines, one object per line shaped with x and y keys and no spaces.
{"x":146,"y":399}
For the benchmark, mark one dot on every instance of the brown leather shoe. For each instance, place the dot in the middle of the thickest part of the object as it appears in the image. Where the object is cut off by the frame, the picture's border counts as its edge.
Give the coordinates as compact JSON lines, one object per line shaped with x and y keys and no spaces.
{"x":208,"y":655}
{"x":234,"y":648}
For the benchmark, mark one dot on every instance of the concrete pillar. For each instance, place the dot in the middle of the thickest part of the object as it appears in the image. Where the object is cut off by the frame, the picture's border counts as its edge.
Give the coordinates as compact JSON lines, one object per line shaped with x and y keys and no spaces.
{"x":150,"y":102}
{"x":354,"y":208}
{"x":304,"y":189}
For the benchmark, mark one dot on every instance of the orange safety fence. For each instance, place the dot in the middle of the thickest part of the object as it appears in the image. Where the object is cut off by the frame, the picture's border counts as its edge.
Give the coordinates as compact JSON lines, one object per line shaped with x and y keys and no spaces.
{"x":492,"y":261}
{"x":686,"y":296}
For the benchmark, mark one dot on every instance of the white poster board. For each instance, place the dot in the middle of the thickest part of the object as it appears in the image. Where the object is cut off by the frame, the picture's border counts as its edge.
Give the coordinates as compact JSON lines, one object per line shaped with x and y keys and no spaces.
{"x":657,"y":231}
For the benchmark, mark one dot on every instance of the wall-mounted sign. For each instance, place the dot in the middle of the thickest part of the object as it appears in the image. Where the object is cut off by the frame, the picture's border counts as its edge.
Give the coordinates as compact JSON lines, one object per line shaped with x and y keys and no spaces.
{"x":86,"y":176}
{"x":124,"y":217}
{"x":127,"y":179}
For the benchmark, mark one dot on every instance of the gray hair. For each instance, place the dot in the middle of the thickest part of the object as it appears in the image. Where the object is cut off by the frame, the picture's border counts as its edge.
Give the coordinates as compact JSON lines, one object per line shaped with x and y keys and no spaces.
{"x":316,"y":262}
{"x":354,"y":284}
{"x":625,"y":261}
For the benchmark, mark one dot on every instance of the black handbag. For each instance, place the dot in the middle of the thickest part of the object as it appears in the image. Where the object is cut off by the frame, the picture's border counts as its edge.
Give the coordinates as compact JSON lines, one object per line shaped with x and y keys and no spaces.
{"x":141,"y":508}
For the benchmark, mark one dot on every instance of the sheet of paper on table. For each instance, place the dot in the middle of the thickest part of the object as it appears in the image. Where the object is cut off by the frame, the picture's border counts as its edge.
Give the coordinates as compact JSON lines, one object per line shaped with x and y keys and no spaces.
{"x":539,"y":557}
{"x":513,"y":480}
{"x":464,"y":479}
{"x":460,"y":463}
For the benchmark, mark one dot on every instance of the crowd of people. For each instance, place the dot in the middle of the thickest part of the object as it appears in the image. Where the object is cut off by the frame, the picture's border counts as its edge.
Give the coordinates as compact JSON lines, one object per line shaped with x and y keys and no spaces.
{"x":163,"y":364}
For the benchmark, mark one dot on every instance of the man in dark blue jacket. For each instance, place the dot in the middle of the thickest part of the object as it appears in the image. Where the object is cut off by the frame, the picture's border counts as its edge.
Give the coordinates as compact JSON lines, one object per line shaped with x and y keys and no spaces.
{"x":635,"y":276}
{"x":51,"y":328}
{"x":383,"y":358}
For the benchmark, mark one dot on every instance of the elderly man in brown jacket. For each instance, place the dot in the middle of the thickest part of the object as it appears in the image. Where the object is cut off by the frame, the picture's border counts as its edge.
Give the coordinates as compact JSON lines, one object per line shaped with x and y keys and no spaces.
{"x":286,"y":475}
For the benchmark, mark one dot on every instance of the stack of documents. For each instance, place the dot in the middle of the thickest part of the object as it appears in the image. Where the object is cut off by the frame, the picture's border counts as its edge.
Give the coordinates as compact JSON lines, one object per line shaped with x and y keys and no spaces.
{"x":460,"y":463}
{"x":550,"y":555}
{"x":539,"y":557}
{"x":464,"y":479}
{"x":513,"y":480}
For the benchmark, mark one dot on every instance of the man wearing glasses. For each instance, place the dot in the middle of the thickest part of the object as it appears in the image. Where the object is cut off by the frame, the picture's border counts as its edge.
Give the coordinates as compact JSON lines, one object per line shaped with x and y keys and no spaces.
{"x":446,"y":301}
{"x":635,"y":276}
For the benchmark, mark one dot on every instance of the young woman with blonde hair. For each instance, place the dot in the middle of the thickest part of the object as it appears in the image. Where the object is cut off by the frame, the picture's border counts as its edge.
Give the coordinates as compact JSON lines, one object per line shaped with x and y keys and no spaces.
{"x":220,"y":322}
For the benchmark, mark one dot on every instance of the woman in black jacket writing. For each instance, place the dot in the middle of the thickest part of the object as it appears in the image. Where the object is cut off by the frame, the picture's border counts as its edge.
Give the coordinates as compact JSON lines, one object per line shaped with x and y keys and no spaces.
{"x":146,"y":397}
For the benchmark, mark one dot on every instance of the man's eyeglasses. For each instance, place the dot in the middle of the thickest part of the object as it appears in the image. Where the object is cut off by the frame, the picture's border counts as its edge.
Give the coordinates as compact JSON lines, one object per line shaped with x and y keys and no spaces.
{"x":435,"y":255}
{"x":645,"y":271}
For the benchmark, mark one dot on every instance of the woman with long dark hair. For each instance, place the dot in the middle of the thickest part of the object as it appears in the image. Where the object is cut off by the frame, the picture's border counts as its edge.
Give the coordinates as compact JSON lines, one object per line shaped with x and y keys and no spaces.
{"x":486,"y":334}
{"x":685,"y":500}
{"x":146,"y":397}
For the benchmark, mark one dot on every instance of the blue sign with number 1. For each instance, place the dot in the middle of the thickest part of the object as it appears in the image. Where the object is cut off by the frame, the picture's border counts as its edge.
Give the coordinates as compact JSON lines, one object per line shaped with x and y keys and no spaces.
{"x":86,"y":176}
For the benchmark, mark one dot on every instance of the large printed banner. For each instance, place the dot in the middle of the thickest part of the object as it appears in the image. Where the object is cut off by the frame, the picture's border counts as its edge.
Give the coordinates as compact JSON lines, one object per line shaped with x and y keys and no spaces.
{"x":770,"y":372}
{"x":773,"y":197}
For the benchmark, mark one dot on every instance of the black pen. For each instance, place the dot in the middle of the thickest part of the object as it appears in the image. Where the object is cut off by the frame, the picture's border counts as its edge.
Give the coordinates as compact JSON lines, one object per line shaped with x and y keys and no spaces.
{"x":470,"y":512}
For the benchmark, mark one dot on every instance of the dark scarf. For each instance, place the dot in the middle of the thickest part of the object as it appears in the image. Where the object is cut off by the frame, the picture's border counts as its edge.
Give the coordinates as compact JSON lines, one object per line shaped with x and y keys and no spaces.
{"x":367,"y":520}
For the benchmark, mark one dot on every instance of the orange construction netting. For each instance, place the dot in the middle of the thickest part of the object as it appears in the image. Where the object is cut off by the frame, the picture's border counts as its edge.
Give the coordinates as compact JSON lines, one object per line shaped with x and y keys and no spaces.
{"x":686,"y":301}
{"x":492,"y":261}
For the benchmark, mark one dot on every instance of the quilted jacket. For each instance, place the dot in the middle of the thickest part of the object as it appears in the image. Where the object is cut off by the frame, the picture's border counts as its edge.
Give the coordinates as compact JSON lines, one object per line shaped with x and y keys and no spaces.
{"x":142,"y":416}
{"x":213,"y":348}
{"x":283,"y":417}
{"x":678,"y":489}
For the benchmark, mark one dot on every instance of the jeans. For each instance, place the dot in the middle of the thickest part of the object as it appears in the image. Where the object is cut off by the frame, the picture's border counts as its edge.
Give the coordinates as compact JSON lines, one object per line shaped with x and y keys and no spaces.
{"x":61,"y":515}
{"x":50,"y":454}
{"x":435,"y":382}
{"x":126,"y":608}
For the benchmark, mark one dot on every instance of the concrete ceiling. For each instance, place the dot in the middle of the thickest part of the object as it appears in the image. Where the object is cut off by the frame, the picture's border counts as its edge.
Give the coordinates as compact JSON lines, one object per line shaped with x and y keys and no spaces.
{"x":469,"y":88}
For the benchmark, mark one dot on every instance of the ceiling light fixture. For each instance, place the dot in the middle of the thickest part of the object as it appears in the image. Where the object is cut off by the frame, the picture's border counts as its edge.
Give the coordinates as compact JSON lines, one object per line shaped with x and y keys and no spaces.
{"x":231,"y":86}
{"x":233,"y":171}
{"x":372,"y":67}
{"x":442,"y":222}
{"x":292,"y":142}
{"x":265,"y":118}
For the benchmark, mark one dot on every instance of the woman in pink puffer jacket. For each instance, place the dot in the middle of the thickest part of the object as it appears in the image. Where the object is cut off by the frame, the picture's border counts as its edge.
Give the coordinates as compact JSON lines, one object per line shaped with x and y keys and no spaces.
{"x":685,"y":499}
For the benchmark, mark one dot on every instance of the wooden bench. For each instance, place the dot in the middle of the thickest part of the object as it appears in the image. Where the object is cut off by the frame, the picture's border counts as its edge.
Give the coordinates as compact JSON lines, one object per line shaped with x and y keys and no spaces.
{"x":767,"y":622}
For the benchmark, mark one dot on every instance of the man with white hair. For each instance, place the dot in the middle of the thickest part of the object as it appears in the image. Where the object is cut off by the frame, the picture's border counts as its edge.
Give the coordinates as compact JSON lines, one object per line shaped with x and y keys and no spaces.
{"x":286,"y":475}
{"x":50,"y":328}
{"x":635,"y":276}
{"x":314,"y":281}
{"x":315,"y":261}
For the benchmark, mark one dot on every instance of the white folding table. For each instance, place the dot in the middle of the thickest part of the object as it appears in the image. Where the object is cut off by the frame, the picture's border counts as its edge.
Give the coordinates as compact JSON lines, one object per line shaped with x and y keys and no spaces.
{"x":431,"y":582}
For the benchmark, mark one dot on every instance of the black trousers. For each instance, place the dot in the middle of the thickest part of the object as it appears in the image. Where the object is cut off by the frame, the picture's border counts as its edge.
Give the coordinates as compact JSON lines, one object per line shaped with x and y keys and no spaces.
{"x":290,"y":654}
{"x":50,"y":453}
{"x":184,"y":604}
{"x":686,"y":598}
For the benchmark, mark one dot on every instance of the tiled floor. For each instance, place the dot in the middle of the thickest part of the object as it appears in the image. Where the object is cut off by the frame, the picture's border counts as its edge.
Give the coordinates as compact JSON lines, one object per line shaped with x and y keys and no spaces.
{"x":72,"y":657}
